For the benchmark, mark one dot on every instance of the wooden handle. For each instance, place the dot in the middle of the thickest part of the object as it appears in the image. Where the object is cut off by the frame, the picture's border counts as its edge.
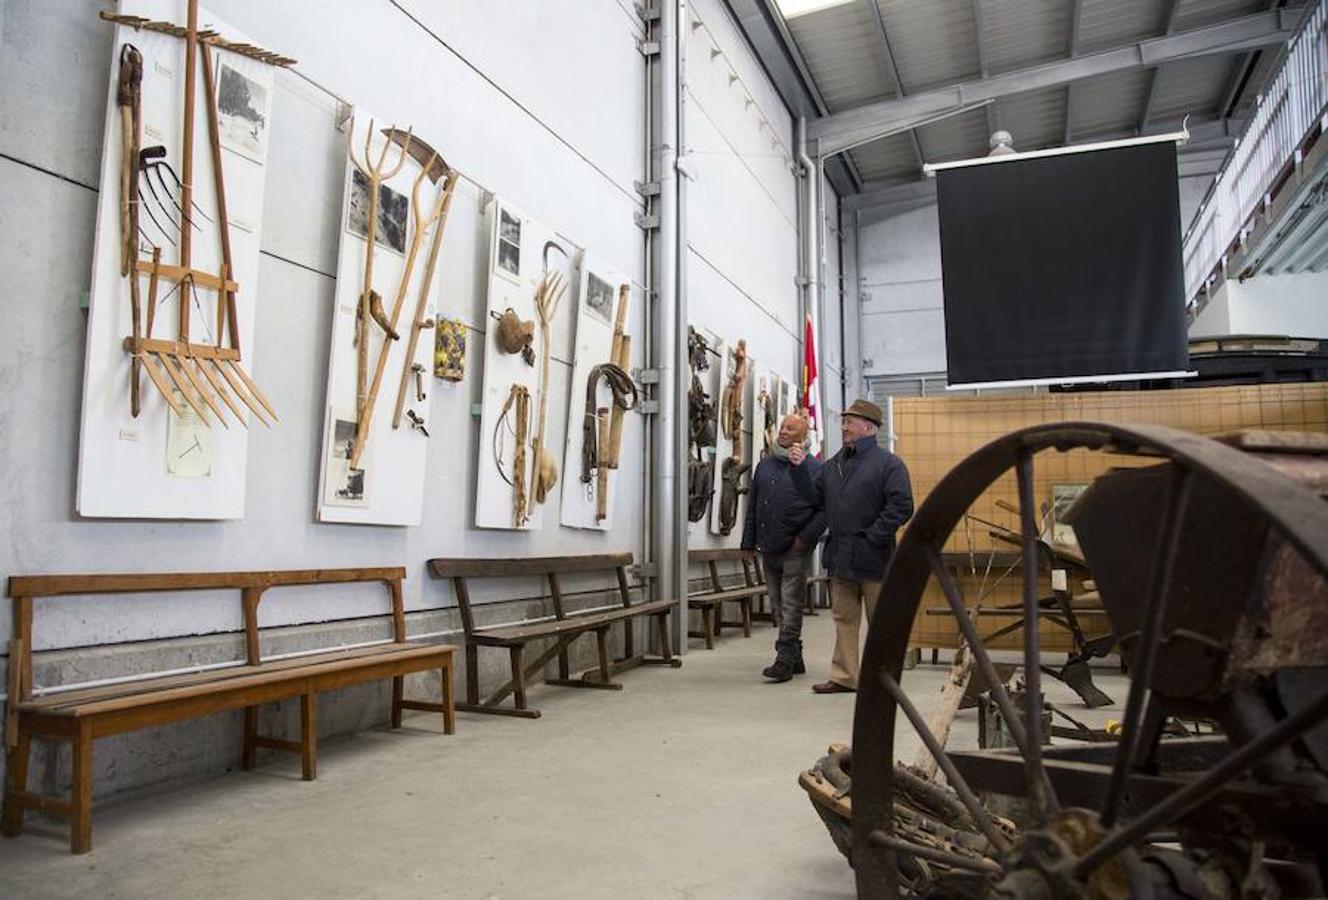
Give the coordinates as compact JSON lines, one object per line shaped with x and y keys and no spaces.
{"x":614,"y":446}
{"x":602,"y":475}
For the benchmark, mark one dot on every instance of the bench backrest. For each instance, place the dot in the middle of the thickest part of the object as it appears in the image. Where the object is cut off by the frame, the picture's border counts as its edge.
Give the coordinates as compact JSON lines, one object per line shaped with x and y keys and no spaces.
{"x":24,"y":589}
{"x":711,"y":557}
{"x":547,"y":567}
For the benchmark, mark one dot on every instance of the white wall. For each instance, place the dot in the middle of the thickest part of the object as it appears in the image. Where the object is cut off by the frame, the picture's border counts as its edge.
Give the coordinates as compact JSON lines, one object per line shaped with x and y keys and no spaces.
{"x":498,"y":88}
{"x":511,"y":95}
{"x":741,"y":223}
{"x":902,"y":323}
{"x":1292,"y":305}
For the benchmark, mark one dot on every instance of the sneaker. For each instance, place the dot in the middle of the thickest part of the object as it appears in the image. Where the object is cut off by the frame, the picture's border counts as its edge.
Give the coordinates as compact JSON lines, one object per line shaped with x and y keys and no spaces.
{"x":780,"y":671}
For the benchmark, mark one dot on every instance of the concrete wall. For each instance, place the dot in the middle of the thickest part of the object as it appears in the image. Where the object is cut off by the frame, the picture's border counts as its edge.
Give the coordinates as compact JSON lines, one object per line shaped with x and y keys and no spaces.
{"x":1294,"y":305}
{"x":509,"y":94}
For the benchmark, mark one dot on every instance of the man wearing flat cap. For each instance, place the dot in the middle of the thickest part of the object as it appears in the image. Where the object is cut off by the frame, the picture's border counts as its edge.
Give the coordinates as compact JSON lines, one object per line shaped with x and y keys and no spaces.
{"x":865,"y":494}
{"x":783,"y":527}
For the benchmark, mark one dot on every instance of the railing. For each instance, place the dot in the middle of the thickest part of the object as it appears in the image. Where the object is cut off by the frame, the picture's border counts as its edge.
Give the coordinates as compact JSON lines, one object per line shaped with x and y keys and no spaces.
{"x":1290,"y":109}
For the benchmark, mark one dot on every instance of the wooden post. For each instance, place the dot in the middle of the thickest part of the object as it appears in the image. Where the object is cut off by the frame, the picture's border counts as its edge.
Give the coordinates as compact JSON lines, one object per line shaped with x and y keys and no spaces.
{"x":625,"y":592}
{"x":309,"y":735}
{"x":449,"y":703}
{"x":555,"y":590}
{"x":80,"y":830}
{"x":187,"y":167}
{"x":398,"y":611}
{"x":518,"y":677}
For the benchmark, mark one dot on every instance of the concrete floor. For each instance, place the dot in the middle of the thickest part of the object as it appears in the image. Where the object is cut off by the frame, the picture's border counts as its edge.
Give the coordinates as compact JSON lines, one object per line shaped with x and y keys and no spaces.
{"x":683,"y":785}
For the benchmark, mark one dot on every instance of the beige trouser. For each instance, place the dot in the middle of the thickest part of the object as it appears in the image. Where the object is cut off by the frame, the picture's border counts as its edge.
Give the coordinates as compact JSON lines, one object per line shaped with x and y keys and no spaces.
{"x":847,"y":598}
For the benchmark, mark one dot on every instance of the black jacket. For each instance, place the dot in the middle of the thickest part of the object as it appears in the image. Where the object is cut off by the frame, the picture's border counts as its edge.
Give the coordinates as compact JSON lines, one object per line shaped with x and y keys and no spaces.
{"x":777,"y":512}
{"x":865,"y":493}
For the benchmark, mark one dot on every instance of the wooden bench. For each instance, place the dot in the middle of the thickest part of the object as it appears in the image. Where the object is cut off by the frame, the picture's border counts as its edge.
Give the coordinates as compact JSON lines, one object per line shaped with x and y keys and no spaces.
{"x":564,"y":628}
{"x":711,"y":602}
{"x":82,"y":715}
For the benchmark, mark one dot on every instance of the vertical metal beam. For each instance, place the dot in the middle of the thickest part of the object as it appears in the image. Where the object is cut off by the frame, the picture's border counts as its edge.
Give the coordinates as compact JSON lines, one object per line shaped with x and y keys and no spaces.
{"x":874,"y":13}
{"x":1076,"y":16}
{"x":1147,"y":113}
{"x":984,"y":65}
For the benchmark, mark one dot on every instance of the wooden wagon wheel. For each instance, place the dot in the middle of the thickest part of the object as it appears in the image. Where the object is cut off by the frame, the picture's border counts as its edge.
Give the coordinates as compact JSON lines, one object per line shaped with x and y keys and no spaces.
{"x":1066,"y":851}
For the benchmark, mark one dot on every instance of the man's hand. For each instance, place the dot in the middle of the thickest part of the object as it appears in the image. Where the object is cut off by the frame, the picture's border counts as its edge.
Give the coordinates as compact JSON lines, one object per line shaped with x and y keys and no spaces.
{"x":797,"y":453}
{"x":749,"y":555}
{"x":799,"y":544}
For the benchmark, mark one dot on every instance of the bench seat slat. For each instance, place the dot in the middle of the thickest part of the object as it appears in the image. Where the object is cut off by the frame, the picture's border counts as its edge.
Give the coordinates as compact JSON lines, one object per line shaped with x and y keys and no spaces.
{"x":149,"y":692}
{"x":505,"y":635}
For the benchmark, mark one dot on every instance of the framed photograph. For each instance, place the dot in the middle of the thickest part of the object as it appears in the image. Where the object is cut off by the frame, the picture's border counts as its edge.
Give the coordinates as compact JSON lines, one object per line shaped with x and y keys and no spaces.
{"x":509,"y":244}
{"x":1063,"y":497}
{"x":393,"y":208}
{"x":243,"y":107}
{"x":188,"y":443}
{"x":599,"y":298}
{"x":344,"y":486}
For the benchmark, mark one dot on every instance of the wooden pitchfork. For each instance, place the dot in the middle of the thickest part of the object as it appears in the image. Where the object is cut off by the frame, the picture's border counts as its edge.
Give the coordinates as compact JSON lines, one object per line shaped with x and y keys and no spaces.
{"x":431,"y":172}
{"x":375,"y":175}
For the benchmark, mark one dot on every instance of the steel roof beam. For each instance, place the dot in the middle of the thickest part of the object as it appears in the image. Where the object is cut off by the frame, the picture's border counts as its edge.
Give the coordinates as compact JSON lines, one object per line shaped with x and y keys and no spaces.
{"x":874,"y":13}
{"x":1076,"y":17}
{"x":844,"y":130}
{"x":984,"y":65}
{"x":1157,"y":70}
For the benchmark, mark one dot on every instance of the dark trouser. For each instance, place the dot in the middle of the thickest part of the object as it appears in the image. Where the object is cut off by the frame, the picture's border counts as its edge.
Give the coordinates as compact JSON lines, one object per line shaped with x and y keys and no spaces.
{"x":787,"y":577}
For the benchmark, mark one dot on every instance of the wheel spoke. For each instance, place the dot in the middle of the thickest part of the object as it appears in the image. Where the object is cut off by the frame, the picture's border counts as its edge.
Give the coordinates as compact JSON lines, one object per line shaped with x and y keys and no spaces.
{"x":966,"y":795}
{"x":1196,"y":792}
{"x":1043,"y":801}
{"x":932,"y":854}
{"x":1145,"y":655}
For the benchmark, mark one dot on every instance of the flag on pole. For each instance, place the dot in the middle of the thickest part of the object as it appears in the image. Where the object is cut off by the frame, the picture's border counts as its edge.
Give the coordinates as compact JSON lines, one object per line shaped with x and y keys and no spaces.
{"x":809,"y":388}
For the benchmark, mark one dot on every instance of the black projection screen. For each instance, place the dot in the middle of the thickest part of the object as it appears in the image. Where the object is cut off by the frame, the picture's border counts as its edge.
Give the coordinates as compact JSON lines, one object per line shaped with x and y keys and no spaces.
{"x":1063,"y":266}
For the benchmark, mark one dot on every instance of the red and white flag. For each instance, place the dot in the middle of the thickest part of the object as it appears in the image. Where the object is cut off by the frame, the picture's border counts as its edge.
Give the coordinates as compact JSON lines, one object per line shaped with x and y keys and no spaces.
{"x":809,"y":388}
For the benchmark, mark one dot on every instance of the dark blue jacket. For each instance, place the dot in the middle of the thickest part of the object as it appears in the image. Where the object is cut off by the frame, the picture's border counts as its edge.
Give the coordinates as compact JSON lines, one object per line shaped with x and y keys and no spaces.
{"x":777,"y":512}
{"x":865,"y":493}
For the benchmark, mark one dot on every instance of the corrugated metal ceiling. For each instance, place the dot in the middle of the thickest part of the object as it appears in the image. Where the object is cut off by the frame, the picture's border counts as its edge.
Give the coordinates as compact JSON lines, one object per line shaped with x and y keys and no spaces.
{"x":936,"y":43}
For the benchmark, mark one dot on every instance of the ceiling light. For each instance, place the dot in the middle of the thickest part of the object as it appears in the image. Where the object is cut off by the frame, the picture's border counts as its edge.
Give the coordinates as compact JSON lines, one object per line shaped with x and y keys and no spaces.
{"x":793,"y":8}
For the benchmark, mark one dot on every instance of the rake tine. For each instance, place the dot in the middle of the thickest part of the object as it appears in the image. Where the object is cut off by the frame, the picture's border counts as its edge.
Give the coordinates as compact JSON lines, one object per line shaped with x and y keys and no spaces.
{"x":184,"y":216}
{"x":253,"y":388}
{"x":202,"y":369}
{"x":202,"y":390}
{"x":239,"y":390}
{"x":180,"y":185}
{"x":159,"y":379}
{"x":183,"y":385}
{"x":147,"y":208}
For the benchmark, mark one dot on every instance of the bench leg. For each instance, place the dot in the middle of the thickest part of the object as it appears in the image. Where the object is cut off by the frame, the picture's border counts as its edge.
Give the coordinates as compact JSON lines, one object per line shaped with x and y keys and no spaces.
{"x":398,"y":694}
{"x":709,"y":625}
{"x":519,"y":677}
{"x":665,"y":645}
{"x":309,"y":735}
{"x":247,"y":756}
{"x":472,"y":674}
{"x":80,"y":830}
{"x":564,"y":665}
{"x":602,"y":641}
{"x":16,"y":782}
{"x":449,"y":702}
{"x":746,"y":606}
{"x":629,"y":639}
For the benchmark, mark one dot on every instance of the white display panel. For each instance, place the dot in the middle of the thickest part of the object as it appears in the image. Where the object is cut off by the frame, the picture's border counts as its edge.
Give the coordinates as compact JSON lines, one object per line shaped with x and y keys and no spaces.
{"x":595,"y":321}
{"x":387,"y":487}
{"x":150,"y":466}
{"x":521,"y":251}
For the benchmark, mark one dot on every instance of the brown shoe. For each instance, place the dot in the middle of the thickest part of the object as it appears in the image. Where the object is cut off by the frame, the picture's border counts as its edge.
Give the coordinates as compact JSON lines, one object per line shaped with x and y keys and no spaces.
{"x":831,"y":687}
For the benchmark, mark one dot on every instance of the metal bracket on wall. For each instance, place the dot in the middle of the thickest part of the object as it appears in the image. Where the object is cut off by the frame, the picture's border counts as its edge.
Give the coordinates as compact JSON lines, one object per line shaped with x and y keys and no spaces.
{"x":643,"y":570}
{"x":648,"y":48}
{"x":648,"y":221}
{"x":647,"y":376}
{"x":648,"y":13}
{"x":648,"y":407}
{"x":647,"y":188}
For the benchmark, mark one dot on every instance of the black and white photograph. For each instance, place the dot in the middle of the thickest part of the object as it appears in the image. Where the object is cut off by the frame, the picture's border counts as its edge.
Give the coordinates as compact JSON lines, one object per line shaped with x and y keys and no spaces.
{"x":599,"y":298}
{"x":393,"y":209}
{"x":344,"y":486}
{"x":509,"y":243}
{"x":242,"y":113}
